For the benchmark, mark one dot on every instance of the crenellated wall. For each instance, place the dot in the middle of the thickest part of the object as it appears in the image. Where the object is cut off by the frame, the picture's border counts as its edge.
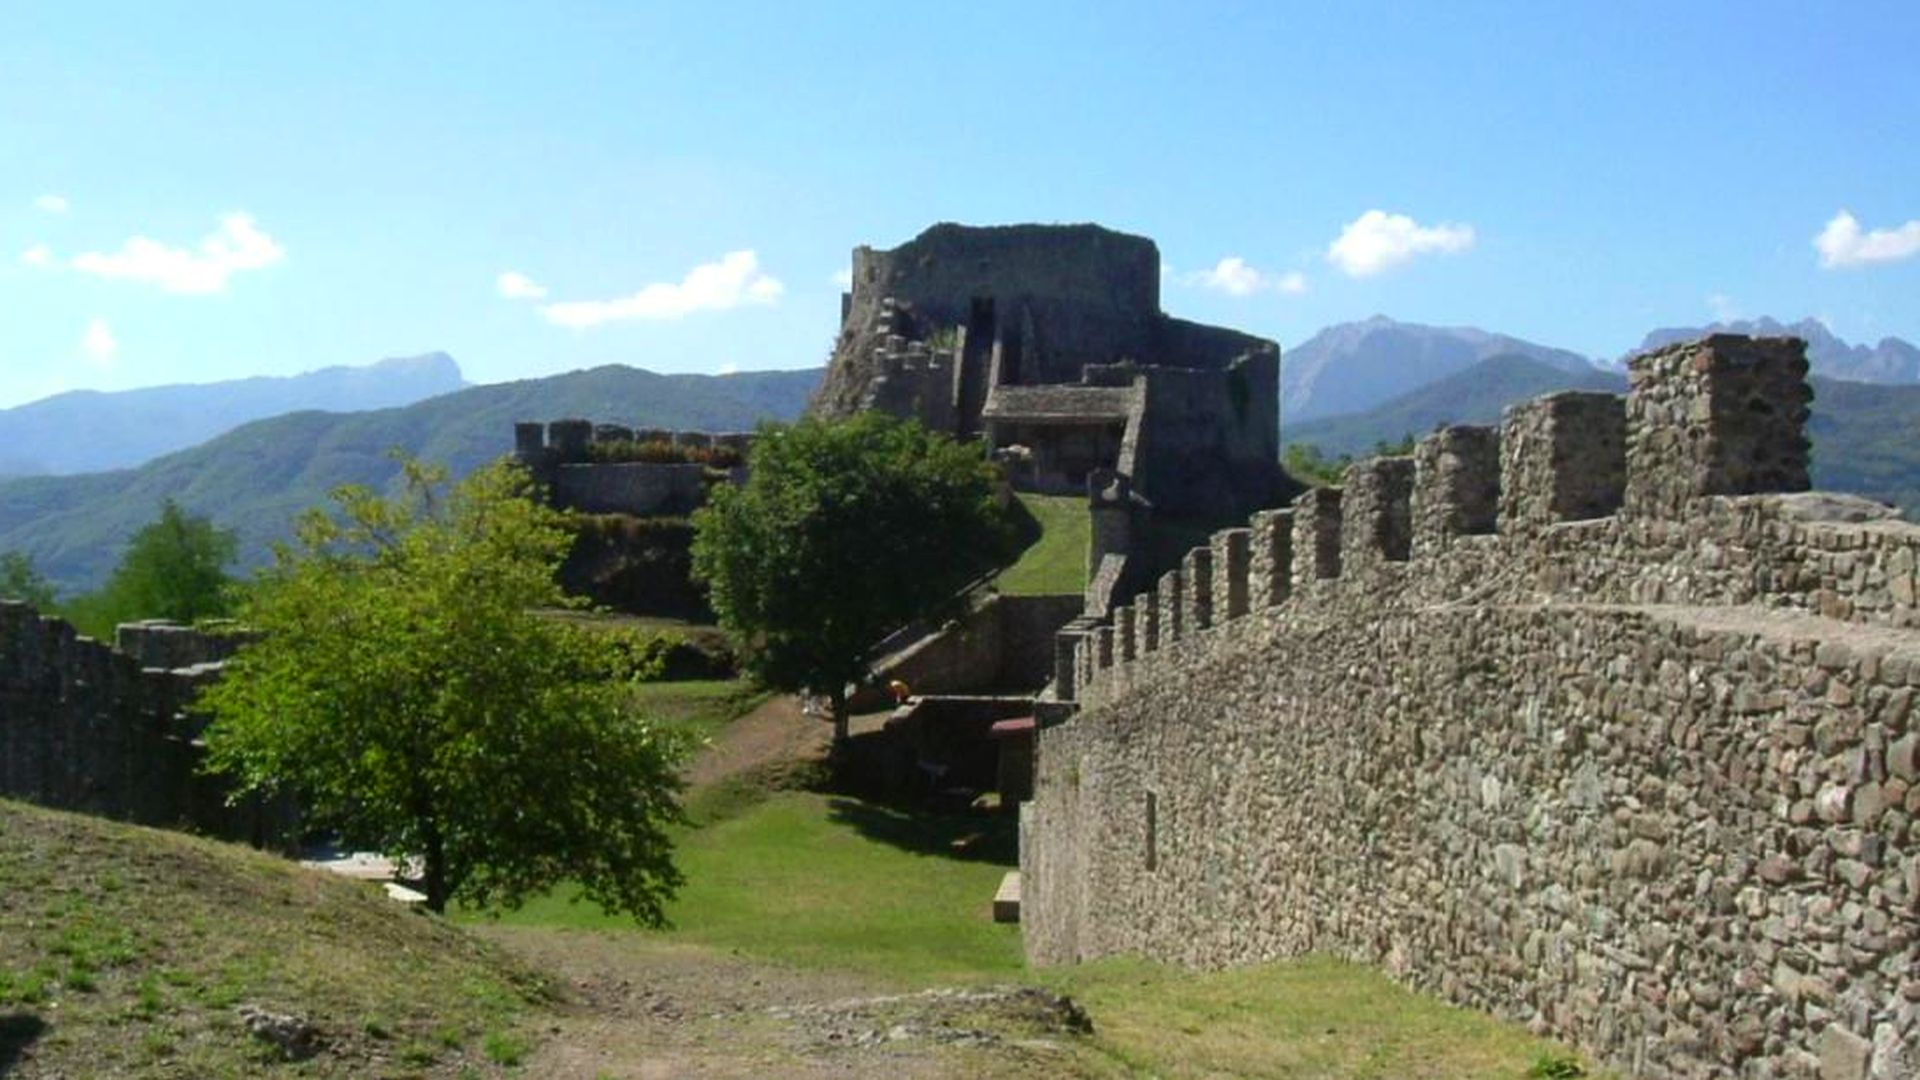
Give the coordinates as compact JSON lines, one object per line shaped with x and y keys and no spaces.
{"x":1633,"y":757}
{"x":103,"y":731}
{"x":561,"y":454}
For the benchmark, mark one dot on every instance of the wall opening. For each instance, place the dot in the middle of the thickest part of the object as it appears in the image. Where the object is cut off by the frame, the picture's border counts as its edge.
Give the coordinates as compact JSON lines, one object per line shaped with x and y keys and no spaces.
{"x":1153,"y":831}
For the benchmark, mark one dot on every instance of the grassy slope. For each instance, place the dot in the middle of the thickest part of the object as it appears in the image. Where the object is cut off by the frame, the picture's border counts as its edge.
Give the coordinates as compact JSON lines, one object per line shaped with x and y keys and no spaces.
{"x":129,"y":951}
{"x":1056,"y":562}
{"x":258,"y":477}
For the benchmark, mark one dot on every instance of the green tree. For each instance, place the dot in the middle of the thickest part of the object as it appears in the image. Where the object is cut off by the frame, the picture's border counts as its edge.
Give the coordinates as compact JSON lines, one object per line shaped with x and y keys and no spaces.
{"x":21,"y":580}
{"x":1310,"y":465}
{"x":404,"y":686}
{"x":174,"y":568}
{"x":843,"y":532}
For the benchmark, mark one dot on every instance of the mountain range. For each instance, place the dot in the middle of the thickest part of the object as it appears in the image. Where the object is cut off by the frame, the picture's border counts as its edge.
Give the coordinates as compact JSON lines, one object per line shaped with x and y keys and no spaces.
{"x":1866,"y":437}
{"x":258,"y":477}
{"x":91,"y":431}
{"x":1891,"y":361}
{"x":1355,"y":367}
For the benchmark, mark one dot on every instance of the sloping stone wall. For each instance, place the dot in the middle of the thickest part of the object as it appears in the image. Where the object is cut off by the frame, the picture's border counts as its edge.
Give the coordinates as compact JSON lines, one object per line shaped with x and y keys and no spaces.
{"x":1646,"y":781}
{"x":85,"y":727}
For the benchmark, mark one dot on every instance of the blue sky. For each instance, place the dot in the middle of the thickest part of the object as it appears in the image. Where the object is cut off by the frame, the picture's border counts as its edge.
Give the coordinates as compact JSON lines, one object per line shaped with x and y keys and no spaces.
{"x":199,"y":192}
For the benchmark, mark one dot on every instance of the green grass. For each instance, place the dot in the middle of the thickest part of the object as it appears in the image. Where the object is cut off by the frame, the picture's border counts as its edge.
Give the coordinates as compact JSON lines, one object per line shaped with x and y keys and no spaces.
{"x":1056,"y":562}
{"x":1310,"y":1018}
{"x":698,"y":708}
{"x":824,"y":881}
{"x":128,"y":951}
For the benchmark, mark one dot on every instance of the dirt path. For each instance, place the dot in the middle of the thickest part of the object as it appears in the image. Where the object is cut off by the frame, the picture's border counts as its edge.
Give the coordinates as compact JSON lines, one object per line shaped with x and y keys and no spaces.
{"x":775,"y":733}
{"x":640,"y":1008}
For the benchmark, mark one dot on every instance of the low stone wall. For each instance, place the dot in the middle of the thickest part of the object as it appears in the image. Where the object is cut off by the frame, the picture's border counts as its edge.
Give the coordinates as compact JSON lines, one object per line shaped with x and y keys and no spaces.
{"x":637,"y":489}
{"x":84,"y":727}
{"x":1637,"y":767}
{"x":1005,"y":643}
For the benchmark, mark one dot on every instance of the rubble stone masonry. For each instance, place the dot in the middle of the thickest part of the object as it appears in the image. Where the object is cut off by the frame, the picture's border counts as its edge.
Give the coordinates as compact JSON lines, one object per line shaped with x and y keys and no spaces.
{"x":1640,"y":767}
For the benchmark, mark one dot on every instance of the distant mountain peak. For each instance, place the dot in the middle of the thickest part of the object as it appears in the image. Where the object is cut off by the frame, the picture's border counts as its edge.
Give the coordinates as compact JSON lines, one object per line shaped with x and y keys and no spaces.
{"x":1351,"y":367}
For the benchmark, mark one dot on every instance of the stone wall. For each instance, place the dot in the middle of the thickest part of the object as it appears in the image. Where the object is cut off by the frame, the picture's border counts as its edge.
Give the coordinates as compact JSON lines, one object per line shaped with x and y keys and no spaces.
{"x":1003,"y":643}
{"x":85,"y":727}
{"x":1644,"y":780}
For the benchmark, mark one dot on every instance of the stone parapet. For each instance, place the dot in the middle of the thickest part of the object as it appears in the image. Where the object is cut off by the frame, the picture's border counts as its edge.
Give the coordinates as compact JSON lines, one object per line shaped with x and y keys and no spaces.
{"x":1270,"y":559}
{"x":1232,"y":552}
{"x":1562,"y":458}
{"x":1456,"y":486}
{"x":1196,"y":571}
{"x":1376,"y":523}
{"x":1316,"y":536}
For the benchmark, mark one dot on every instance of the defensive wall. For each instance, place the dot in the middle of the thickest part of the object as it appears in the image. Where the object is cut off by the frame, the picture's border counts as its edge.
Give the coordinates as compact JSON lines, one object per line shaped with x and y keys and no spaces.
{"x":562,"y":454}
{"x":1599,"y":721}
{"x":105,"y":730}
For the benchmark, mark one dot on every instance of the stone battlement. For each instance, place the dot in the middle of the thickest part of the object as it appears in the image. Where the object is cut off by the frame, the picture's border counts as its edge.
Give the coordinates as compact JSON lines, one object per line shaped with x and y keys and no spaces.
{"x":571,"y":442}
{"x":1599,"y":720}
{"x":104,"y":731}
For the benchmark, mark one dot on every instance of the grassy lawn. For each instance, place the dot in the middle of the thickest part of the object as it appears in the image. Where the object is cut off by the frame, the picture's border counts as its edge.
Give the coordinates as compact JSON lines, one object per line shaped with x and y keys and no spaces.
{"x":130,"y":952}
{"x":823,"y":881}
{"x":1056,"y":562}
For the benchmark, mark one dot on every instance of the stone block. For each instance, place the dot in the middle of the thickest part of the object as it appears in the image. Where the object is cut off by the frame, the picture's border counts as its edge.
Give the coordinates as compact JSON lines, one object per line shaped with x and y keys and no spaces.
{"x":1124,"y":642}
{"x":1562,"y":458}
{"x":1376,"y":511}
{"x":1316,"y":536}
{"x":1197,"y":571}
{"x":1147,"y":621}
{"x":1456,"y":486}
{"x":1723,"y":415}
{"x":1232,"y":550}
{"x":1270,"y":559}
{"x":1173,"y":603}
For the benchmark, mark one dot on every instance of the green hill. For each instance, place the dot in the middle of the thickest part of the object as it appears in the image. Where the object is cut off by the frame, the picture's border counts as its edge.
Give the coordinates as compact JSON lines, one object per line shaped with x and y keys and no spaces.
{"x":1866,"y":437}
{"x":137,"y":952}
{"x":257,"y":478}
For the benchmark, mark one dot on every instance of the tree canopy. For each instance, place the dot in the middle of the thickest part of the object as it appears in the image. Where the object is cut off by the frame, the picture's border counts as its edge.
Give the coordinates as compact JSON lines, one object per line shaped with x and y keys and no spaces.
{"x":21,"y":580}
{"x":174,"y":568}
{"x":843,"y":532}
{"x":405,"y":687}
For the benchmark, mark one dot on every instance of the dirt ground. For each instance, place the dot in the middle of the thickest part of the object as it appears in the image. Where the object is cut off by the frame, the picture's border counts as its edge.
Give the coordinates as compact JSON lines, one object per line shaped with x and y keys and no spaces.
{"x":641,"y":1008}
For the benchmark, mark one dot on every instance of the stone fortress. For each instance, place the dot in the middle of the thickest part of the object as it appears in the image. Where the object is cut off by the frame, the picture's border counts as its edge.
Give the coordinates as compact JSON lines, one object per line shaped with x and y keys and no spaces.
{"x":1600,"y":721}
{"x":1048,"y":342}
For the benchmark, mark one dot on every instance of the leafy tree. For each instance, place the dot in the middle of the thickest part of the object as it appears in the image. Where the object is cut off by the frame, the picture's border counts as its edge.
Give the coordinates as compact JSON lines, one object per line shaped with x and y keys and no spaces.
{"x":1310,"y":465}
{"x":174,"y":568}
{"x":405,"y":687}
{"x":843,"y":532}
{"x":21,"y":580}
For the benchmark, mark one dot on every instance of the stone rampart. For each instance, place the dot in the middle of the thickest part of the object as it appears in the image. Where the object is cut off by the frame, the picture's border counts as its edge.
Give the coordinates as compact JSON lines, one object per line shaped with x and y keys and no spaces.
{"x":85,"y":727}
{"x":582,"y":465}
{"x":1633,"y":760}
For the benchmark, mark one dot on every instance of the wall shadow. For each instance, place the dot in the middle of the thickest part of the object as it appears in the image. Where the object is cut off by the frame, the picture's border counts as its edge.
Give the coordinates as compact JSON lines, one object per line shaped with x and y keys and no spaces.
{"x":18,"y":1032}
{"x":983,"y":837}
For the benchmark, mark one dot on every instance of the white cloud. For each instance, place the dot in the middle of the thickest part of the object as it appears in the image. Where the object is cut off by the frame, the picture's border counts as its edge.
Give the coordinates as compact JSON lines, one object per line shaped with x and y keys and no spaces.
{"x":517,"y":286}
{"x":52,"y":204}
{"x":1234,"y":276}
{"x":843,"y":278}
{"x":1842,"y":243}
{"x":37,"y":255}
{"x":729,"y":368}
{"x":1723,"y":307}
{"x":237,"y":245}
{"x":716,"y":286}
{"x":99,"y":345}
{"x":1377,"y":241}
